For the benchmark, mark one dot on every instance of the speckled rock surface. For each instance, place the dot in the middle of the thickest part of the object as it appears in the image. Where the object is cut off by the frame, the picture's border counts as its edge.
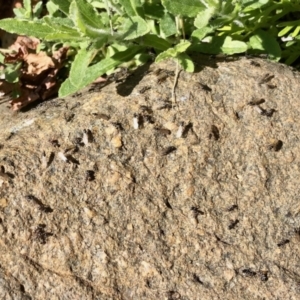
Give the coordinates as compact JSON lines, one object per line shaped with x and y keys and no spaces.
{"x":92,"y":208}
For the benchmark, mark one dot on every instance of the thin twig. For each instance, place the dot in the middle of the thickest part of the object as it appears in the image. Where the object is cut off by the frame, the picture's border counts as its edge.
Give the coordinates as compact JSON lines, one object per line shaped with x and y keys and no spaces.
{"x":175,"y":83}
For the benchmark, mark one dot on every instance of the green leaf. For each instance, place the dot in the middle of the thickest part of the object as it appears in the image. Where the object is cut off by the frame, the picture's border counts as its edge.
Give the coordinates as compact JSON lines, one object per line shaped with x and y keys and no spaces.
{"x":213,"y":3}
{"x":186,"y":8}
{"x":186,"y":62}
{"x":170,"y":53}
{"x":67,"y":88}
{"x":60,"y":24}
{"x":106,"y":64}
{"x":98,"y":43}
{"x":97,"y":4}
{"x":134,"y":27}
{"x":63,"y":5}
{"x":262,"y":40}
{"x":154,"y":10}
{"x":63,"y":29}
{"x":37,"y":9}
{"x":27,"y":5}
{"x":24,"y":12}
{"x":24,"y":27}
{"x":291,"y":58}
{"x":203,"y":17}
{"x":167,"y":25}
{"x":133,"y":7}
{"x":114,"y":49}
{"x":173,"y":52}
{"x":51,"y":8}
{"x":212,"y":47}
{"x":285,"y":30}
{"x":89,"y":16}
{"x":220,"y":44}
{"x":289,"y":23}
{"x":253,"y":5}
{"x":65,"y":36}
{"x":75,"y":16}
{"x":12,"y":73}
{"x":79,"y":67}
{"x":97,"y":70}
{"x":20,"y":13}
{"x":86,"y":19}
{"x":152,"y":40}
{"x":2,"y":57}
{"x":232,"y":47}
{"x":182,"y":46}
{"x":201,"y":33}
{"x":141,"y":59}
{"x":296,"y":31}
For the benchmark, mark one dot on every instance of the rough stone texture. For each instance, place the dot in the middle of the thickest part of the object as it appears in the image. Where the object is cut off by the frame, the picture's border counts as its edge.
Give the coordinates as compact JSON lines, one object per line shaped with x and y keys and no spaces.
{"x":216,"y":218}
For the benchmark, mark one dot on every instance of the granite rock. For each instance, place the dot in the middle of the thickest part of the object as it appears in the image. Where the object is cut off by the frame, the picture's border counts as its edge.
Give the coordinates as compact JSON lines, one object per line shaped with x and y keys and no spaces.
{"x":122,"y":193}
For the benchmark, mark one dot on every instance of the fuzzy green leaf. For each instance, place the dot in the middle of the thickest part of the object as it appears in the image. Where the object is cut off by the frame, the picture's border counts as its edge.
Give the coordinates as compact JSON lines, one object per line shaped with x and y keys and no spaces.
{"x":167,"y":25}
{"x":133,"y":7}
{"x":253,"y":5}
{"x":79,"y":67}
{"x":24,"y":27}
{"x":262,"y":40}
{"x":60,"y":24}
{"x":20,"y":13}
{"x":12,"y":73}
{"x":173,"y":52}
{"x":37,"y":9}
{"x":182,"y":46}
{"x":170,"y":53}
{"x":67,"y":88}
{"x":203,"y":17}
{"x":186,"y":62}
{"x":106,"y":64}
{"x":185,"y":8}
{"x":63,"y":5}
{"x":152,"y":40}
{"x":134,"y":27}
{"x":65,"y":36}
{"x":220,"y":44}
{"x":75,"y":16}
{"x":154,"y":10}
{"x":63,"y":30}
{"x":51,"y":8}
{"x":27,"y":5}
{"x":232,"y":47}
{"x":200,"y":34}
{"x":89,"y":16}
{"x":86,"y":19}
{"x":97,"y":70}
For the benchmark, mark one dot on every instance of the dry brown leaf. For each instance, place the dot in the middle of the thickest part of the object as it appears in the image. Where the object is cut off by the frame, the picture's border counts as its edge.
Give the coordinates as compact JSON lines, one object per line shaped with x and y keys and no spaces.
{"x":6,"y":87}
{"x":27,"y":97}
{"x":60,"y":55}
{"x":37,"y":63}
{"x":100,"y":79}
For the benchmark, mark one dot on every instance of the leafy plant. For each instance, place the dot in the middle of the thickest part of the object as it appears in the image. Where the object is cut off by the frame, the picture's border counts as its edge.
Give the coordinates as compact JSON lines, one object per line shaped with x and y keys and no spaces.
{"x":103,"y":35}
{"x":29,"y":12}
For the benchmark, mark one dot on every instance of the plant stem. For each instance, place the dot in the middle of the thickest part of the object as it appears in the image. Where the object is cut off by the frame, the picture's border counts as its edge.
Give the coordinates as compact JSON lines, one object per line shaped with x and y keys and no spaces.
{"x":109,"y":16}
